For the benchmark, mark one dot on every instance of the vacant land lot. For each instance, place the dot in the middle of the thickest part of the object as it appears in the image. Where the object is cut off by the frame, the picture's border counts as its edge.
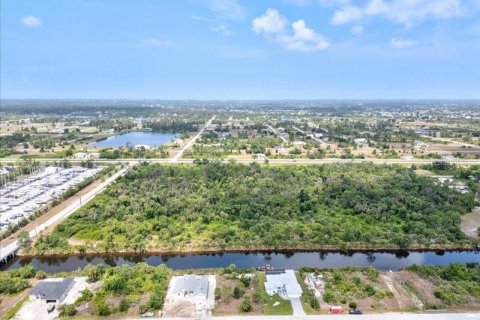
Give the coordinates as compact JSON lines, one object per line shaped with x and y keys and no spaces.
{"x":452,"y":287}
{"x":217,"y":206}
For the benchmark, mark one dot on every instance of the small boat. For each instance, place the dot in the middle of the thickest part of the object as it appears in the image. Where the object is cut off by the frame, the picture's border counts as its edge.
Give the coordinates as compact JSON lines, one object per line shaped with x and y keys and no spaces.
{"x":265,"y":267}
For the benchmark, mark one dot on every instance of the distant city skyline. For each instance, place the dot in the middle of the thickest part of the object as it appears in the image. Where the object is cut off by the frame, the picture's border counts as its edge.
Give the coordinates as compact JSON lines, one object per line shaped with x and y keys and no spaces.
{"x":240,"y":50}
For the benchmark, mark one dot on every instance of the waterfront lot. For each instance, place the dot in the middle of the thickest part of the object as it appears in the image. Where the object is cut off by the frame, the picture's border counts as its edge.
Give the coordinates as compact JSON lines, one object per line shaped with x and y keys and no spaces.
{"x":213,"y":206}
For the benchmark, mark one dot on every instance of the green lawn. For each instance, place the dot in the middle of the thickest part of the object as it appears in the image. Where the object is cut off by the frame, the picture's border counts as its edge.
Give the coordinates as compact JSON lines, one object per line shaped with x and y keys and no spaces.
{"x":306,"y":296}
{"x":283,"y":308}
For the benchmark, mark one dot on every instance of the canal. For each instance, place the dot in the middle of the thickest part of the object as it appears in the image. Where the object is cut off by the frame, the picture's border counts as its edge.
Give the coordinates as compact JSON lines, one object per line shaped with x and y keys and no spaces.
{"x":380,"y":260}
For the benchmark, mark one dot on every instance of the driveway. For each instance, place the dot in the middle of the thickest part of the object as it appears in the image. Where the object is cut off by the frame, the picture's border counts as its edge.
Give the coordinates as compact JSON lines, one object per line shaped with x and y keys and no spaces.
{"x":297,"y":307}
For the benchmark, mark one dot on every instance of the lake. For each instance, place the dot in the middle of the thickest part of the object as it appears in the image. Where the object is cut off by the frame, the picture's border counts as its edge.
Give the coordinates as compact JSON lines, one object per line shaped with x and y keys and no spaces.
{"x":152,"y":139}
{"x":380,"y":260}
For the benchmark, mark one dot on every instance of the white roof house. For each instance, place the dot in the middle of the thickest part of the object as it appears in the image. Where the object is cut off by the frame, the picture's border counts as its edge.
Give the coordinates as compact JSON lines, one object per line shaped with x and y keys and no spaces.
{"x":191,"y":286}
{"x":284,"y":283}
{"x":195,"y":289}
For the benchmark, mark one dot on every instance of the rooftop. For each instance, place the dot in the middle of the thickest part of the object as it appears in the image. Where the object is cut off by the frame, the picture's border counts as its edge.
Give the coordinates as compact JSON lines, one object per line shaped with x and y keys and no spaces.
{"x":52,"y":289}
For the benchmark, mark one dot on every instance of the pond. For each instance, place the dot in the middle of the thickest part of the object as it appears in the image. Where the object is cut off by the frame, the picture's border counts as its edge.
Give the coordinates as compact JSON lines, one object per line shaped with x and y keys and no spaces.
{"x":381,"y":260}
{"x":152,"y":139}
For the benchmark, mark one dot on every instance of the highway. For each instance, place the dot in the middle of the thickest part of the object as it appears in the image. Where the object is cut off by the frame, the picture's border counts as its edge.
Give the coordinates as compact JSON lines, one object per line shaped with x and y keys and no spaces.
{"x":464,"y":162}
{"x":12,"y":248}
{"x":192,"y":141}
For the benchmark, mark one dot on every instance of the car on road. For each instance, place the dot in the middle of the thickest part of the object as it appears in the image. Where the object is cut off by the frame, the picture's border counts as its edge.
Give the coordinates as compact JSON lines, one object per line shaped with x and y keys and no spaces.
{"x":355,"y":311}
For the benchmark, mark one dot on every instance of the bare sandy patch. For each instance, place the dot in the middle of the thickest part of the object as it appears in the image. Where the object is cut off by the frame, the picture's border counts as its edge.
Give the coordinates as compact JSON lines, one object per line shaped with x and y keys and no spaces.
{"x":471,"y":223}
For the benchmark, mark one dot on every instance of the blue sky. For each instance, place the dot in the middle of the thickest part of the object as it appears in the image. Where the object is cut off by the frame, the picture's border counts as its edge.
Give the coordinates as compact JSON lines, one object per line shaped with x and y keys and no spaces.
{"x":239,"y":49}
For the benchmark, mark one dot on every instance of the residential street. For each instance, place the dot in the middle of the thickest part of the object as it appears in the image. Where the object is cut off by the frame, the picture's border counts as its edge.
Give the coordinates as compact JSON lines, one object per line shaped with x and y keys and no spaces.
{"x":382,"y":316}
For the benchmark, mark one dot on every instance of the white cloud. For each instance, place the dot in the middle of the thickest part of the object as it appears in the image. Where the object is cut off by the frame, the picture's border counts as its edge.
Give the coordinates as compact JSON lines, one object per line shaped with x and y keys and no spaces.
{"x":200,"y":18}
{"x":31,"y":21}
{"x":406,"y":12}
{"x":271,"y":22}
{"x":228,"y":9}
{"x":357,"y":30}
{"x":221,"y":28}
{"x":273,"y":26}
{"x":346,"y":15}
{"x":396,"y":43}
{"x":156,"y":42}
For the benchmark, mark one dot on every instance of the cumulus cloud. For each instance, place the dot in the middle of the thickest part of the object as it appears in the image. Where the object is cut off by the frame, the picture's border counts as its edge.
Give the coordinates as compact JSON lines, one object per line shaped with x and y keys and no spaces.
{"x":31,"y":21}
{"x":396,"y":43}
{"x":275,"y":28}
{"x":403,"y":12}
{"x":270,"y":23}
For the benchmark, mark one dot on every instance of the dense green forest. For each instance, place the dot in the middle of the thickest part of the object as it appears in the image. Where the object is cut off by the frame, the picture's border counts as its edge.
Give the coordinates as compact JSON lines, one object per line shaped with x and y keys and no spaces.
{"x":219,"y":206}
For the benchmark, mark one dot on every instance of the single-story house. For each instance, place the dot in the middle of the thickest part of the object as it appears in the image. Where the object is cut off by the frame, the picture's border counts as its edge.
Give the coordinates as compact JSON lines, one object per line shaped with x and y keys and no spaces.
{"x":283,"y":283}
{"x":52,"y":290}
{"x":191,"y":286}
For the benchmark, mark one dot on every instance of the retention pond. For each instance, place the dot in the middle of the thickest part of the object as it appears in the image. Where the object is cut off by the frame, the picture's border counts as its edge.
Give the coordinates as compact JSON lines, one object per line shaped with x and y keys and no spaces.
{"x":151,"y":139}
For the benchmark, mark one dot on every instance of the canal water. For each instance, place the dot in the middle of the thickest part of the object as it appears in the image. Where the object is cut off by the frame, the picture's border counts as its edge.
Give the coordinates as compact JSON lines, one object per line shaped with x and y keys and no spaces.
{"x":381,"y":260}
{"x":152,"y":139}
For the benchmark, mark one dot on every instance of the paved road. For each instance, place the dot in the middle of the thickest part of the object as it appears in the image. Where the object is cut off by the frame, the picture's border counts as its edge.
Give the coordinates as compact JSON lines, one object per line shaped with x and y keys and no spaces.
{"x":276,"y":133}
{"x":192,"y":141}
{"x":314,"y":138}
{"x":80,"y":202}
{"x":381,"y":316}
{"x":452,"y":141}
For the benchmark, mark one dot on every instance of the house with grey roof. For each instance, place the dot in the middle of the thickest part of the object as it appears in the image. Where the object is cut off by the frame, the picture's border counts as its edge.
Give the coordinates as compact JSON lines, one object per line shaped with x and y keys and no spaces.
{"x":52,"y":290}
{"x":191,"y":286}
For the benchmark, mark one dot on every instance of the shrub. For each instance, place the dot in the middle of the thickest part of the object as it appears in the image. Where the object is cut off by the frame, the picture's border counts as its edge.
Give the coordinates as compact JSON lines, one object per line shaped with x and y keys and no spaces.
{"x":124,"y":305}
{"x":372,"y":274}
{"x":85,"y":296}
{"x":256,"y":297}
{"x":369,"y":290}
{"x":245,"y":281}
{"x":314,"y":303}
{"x":329,"y":297}
{"x":218,"y":293}
{"x":66,"y":310}
{"x":10,"y":285}
{"x":246,"y":306}
{"x":352,"y":305}
{"x":142,"y":309}
{"x":237,"y":293}
{"x":103,"y":310}
{"x":41,"y":275}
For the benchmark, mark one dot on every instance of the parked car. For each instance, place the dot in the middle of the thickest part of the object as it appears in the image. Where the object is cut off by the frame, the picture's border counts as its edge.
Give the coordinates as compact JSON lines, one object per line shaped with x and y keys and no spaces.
{"x":51,"y":307}
{"x":355,"y":311}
